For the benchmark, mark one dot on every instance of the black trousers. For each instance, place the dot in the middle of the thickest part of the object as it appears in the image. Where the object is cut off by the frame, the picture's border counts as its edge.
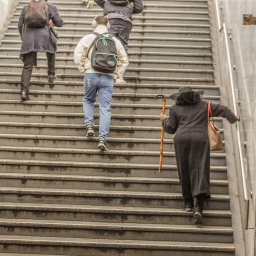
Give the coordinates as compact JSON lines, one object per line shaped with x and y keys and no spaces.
{"x":30,"y":60}
{"x":121,"y":29}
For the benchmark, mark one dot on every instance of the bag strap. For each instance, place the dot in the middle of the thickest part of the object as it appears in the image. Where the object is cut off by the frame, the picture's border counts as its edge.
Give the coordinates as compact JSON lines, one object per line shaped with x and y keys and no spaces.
{"x":92,"y":44}
{"x":209,"y":115}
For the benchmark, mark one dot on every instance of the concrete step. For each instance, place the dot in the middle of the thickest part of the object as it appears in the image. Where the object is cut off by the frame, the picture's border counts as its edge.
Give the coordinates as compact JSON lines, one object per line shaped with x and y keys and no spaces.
{"x":133,"y":63}
{"x":80,"y":20}
{"x":113,"y":214}
{"x":174,"y":18}
{"x":105,"y":198}
{"x":91,"y":155}
{"x":123,"y":231}
{"x":76,"y":95}
{"x":182,"y":79}
{"x":112,"y":247}
{"x":203,"y":9}
{"x":107,"y":183}
{"x":76,"y":88}
{"x":99,"y":169}
{"x":78,"y":118}
{"x":81,"y":29}
{"x":78,"y":130}
{"x":73,"y":71}
{"x":147,"y":46}
{"x":138,"y":55}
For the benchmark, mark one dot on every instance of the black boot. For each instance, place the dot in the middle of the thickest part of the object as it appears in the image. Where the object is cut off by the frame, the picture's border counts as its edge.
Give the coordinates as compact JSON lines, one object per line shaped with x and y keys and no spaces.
{"x":24,"y":95}
{"x":198,"y":209}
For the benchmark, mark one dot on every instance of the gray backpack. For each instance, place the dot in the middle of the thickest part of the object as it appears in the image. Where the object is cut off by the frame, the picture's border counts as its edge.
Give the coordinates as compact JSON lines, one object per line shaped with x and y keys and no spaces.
{"x":119,"y":2}
{"x":36,"y":15}
{"x":104,"y":55}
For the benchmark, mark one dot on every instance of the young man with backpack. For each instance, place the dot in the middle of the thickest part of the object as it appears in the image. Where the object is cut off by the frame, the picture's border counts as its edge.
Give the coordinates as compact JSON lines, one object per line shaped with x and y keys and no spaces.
{"x":35,"y":28}
{"x":101,"y":57}
{"x":119,"y":14}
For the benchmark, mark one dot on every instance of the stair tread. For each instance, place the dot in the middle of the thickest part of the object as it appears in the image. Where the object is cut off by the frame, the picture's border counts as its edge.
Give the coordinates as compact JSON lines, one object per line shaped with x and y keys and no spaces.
{"x":101,"y":178}
{"x":93,"y":164}
{"x":108,"y":209}
{"x":120,"y":243}
{"x":95,"y":151}
{"x":102,"y":193}
{"x":116,"y":226}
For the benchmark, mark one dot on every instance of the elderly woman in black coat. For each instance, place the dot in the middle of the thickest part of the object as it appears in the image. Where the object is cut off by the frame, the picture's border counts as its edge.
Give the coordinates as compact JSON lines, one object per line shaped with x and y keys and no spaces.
{"x":38,"y":40}
{"x":188,"y":120}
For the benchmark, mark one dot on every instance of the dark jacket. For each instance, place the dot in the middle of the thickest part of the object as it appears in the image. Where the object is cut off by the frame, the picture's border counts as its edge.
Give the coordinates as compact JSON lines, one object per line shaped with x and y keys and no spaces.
{"x":188,"y":120}
{"x":121,"y":12}
{"x":39,"y":39}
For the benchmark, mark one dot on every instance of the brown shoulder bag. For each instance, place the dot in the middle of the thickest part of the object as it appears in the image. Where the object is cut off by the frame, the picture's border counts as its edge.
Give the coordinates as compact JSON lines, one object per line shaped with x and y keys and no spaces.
{"x":213,"y":132}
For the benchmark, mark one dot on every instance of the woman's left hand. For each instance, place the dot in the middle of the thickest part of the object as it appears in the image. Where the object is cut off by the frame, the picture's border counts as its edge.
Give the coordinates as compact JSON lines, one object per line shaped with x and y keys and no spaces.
{"x":163,"y":116}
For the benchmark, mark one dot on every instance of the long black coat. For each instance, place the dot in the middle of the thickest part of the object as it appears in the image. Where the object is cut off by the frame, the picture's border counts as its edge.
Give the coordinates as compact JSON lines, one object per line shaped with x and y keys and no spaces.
{"x":39,"y":39}
{"x":191,"y":142}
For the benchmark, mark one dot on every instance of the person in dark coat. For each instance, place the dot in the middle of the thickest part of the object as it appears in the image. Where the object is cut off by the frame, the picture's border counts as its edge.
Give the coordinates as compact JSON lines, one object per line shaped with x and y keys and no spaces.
{"x":37,"y":40}
{"x":188,"y":121}
{"x":120,"y":17}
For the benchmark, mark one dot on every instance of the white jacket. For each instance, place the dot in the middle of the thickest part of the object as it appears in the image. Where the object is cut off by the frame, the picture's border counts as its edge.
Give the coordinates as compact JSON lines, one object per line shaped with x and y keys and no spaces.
{"x":84,"y":64}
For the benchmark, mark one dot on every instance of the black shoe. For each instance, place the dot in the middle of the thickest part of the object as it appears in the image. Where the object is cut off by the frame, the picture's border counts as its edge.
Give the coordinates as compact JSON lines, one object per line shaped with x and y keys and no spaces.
{"x":102,"y":145}
{"x":90,"y":131}
{"x":51,"y":78}
{"x":198,"y":218}
{"x":188,"y":205}
{"x":24,"y":95}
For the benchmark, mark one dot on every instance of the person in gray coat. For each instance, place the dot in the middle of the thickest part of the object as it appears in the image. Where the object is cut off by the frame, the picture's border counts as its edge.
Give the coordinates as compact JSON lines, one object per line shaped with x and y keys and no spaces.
{"x":37,"y":40}
{"x":188,"y":121}
{"x":120,"y":18}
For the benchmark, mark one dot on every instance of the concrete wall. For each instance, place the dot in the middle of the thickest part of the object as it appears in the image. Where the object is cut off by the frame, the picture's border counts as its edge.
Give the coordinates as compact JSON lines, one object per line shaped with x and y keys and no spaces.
{"x":243,"y":55}
{"x":6,"y":7}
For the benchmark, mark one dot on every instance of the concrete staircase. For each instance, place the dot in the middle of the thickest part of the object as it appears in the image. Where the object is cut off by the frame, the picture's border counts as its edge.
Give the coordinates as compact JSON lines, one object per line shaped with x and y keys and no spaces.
{"x":58,"y":194}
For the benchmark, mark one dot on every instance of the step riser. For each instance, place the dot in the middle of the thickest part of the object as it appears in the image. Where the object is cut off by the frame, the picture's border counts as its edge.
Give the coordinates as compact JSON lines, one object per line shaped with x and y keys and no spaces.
{"x":108,"y":186}
{"x":94,"y":157}
{"x":113,"y":217}
{"x":97,"y":171}
{"x":48,"y":249}
{"x":115,"y":234}
{"x":146,"y":202}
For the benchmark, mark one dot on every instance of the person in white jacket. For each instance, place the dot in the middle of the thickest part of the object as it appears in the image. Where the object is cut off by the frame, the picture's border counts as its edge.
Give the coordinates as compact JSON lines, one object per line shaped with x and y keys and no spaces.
{"x":98,"y":82}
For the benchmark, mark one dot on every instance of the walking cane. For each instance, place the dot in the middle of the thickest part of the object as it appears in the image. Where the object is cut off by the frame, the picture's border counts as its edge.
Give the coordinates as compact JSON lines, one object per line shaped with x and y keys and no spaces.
{"x":162,"y":134}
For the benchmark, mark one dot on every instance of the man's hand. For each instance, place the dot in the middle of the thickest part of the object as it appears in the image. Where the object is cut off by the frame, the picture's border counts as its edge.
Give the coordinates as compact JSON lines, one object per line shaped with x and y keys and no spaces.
{"x":163,"y":116}
{"x":238,"y":118}
{"x":51,"y":24}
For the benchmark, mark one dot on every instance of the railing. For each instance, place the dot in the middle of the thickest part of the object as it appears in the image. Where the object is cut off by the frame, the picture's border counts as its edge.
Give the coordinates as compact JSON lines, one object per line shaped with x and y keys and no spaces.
{"x":223,"y":29}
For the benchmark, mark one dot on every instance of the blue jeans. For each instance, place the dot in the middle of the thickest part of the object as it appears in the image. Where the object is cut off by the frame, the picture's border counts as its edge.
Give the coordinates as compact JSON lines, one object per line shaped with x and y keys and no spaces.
{"x":103,"y":84}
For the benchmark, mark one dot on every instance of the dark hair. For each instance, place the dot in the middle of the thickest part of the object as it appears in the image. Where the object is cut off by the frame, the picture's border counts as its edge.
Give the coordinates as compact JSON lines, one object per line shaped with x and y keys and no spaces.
{"x":101,"y":20}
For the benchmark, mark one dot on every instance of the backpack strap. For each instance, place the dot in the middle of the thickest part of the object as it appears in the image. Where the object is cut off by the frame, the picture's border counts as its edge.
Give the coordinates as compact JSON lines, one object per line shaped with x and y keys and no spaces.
{"x":92,"y":44}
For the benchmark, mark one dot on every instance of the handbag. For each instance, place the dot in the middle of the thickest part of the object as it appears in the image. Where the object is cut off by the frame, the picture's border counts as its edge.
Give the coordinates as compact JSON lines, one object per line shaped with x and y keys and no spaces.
{"x":213,"y":132}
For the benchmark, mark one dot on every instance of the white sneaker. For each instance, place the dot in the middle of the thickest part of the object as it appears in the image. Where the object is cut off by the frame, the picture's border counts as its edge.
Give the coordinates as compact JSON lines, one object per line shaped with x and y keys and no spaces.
{"x":120,"y":81}
{"x":90,"y":5}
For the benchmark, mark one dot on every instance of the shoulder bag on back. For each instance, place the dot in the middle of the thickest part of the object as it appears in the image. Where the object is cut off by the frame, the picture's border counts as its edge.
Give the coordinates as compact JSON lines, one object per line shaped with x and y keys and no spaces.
{"x":36,"y":15}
